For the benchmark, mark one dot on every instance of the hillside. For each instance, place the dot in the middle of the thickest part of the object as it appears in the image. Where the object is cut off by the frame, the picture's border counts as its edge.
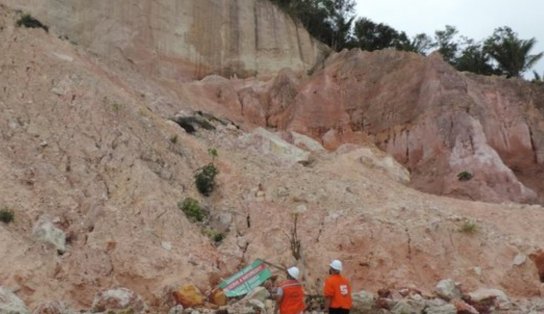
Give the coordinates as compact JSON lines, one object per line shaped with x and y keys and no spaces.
{"x":89,"y":148}
{"x":434,"y":120}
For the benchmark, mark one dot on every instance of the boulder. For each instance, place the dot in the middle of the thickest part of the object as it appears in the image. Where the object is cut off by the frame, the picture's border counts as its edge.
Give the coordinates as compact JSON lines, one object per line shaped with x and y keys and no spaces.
{"x":178,"y":309}
{"x":270,"y":305}
{"x":485,"y":295}
{"x":373,"y":158}
{"x":219,"y":298}
{"x":447,"y":289}
{"x":259,"y":293}
{"x":409,"y":306}
{"x":331,"y":139}
{"x":264,"y":142}
{"x":363,"y":303}
{"x":441,"y":309}
{"x":305,"y":142}
{"x":46,"y":231}
{"x":241,"y":309}
{"x":257,"y":305}
{"x":189,"y":296}
{"x":519,"y":260}
{"x":10,"y":303}
{"x":118,"y":300}
{"x":463,"y":307}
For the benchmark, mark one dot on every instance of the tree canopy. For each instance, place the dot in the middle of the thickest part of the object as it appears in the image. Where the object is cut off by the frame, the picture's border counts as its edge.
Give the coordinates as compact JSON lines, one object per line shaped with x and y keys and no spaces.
{"x":334,"y":23}
{"x":329,"y":21}
{"x":511,"y":53}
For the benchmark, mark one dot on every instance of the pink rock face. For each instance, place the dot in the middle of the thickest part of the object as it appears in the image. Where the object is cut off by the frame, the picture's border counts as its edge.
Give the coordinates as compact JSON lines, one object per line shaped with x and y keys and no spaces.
{"x":434,"y":120}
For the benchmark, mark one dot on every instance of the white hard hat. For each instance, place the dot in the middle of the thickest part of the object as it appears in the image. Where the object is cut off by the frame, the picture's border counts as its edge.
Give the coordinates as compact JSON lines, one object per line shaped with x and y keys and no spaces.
{"x":293,"y":272}
{"x":336,"y":264}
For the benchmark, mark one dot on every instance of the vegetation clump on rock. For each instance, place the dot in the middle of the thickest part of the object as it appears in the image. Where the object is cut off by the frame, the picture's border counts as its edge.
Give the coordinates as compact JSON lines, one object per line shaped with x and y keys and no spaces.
{"x":205,"y":176}
{"x":28,"y":21}
{"x":6,"y":215}
{"x":464,"y":176}
{"x":192,"y":209}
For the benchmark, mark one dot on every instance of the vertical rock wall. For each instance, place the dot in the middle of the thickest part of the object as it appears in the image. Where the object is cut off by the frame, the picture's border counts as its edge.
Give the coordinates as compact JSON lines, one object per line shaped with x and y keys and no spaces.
{"x":181,"y":40}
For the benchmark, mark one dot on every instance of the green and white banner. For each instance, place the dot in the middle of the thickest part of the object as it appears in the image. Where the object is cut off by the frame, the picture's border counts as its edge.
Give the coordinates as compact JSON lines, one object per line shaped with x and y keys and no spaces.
{"x":246,"y":279}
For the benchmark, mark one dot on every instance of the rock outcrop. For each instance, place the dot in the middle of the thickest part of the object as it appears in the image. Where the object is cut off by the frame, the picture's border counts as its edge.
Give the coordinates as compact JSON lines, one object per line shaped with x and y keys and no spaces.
{"x":443,"y":125}
{"x":434,"y":120}
{"x":183,"y":40}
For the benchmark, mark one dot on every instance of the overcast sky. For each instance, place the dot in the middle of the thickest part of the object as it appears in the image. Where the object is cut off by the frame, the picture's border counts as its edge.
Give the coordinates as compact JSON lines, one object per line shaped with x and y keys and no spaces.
{"x":473,"y":18}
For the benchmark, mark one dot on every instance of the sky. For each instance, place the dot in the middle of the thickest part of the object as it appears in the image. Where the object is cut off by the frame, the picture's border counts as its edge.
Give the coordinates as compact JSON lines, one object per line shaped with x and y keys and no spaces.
{"x":473,"y":18}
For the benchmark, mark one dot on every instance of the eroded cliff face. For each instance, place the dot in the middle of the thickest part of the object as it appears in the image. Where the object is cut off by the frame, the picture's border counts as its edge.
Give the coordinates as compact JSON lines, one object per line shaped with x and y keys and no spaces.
{"x":436,"y":121}
{"x":184,"y":39}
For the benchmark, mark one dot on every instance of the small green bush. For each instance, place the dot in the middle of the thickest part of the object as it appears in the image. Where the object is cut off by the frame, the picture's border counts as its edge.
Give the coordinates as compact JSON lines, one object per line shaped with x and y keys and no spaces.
{"x":192,"y":209}
{"x":28,"y":21}
{"x":205,"y":179}
{"x":214,"y":235}
{"x":174,"y":139}
{"x":464,"y":176}
{"x":218,"y":237}
{"x":469,"y":227}
{"x":116,"y":107}
{"x":212,"y":152}
{"x":6,"y":215}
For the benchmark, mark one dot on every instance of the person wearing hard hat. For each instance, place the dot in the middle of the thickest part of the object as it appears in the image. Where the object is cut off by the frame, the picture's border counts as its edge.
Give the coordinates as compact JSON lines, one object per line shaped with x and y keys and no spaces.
{"x":337,"y":290}
{"x":290,"y":294}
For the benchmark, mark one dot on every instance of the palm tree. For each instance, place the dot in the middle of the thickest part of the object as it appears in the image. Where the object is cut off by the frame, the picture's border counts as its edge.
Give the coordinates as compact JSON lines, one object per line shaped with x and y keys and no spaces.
{"x":510,"y":52}
{"x":473,"y":58}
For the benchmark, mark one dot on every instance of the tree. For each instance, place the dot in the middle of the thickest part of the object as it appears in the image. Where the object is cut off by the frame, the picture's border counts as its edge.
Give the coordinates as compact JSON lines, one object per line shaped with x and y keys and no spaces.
{"x":420,"y":43}
{"x":372,"y":36}
{"x":447,"y":47}
{"x":376,"y":36}
{"x":510,"y":52}
{"x":329,"y":21}
{"x":474,"y":59}
{"x":340,"y":13}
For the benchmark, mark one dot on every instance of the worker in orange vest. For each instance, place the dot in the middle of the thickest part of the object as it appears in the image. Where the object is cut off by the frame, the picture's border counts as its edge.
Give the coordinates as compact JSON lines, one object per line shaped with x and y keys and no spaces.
{"x":290,"y":294}
{"x":337,"y":290}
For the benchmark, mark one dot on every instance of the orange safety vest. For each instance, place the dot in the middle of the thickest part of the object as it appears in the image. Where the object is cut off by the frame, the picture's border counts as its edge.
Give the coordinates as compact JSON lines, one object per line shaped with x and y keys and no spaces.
{"x":292,"y":301}
{"x":338,"y":289}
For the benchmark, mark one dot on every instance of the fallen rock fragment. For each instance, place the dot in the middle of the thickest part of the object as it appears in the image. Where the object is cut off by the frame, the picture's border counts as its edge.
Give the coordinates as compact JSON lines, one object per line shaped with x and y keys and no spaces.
{"x":118,"y":300}
{"x":189,"y":296}
{"x":486,"y":295}
{"x":447,"y":290}
{"x":463,"y":307}
{"x":46,"y":231}
{"x":363,"y":302}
